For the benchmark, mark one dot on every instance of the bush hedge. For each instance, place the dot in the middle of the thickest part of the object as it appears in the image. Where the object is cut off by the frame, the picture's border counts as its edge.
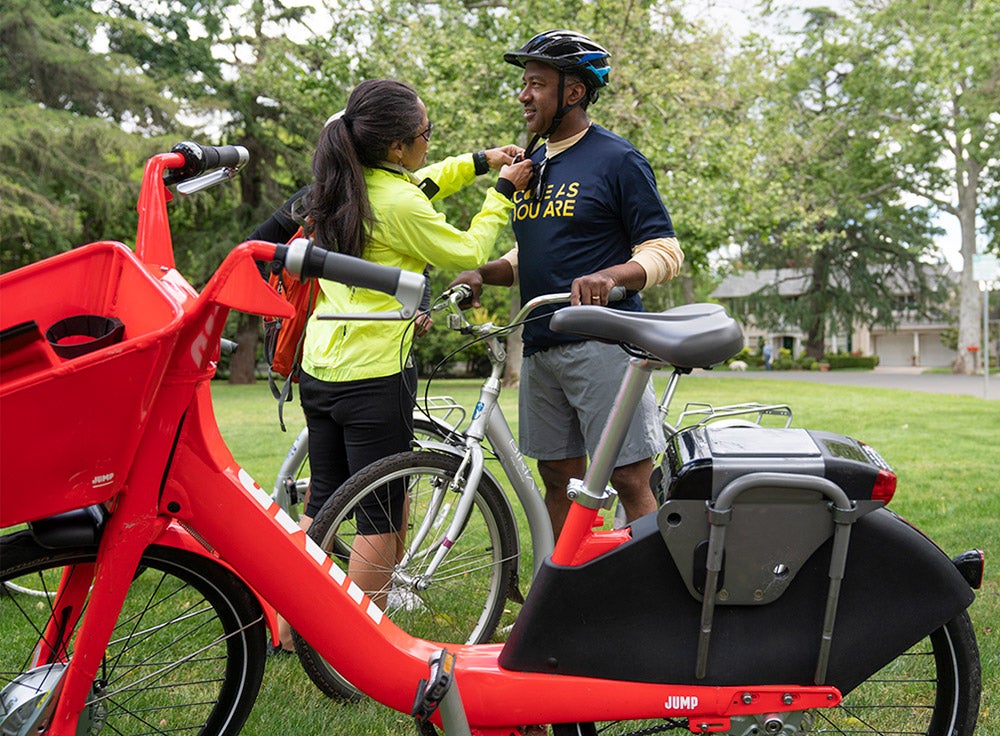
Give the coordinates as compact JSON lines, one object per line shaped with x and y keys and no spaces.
{"x":840,"y":361}
{"x":784,"y":361}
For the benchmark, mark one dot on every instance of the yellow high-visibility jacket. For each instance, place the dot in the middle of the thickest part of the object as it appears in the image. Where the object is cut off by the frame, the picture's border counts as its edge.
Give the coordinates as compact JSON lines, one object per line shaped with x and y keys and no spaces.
{"x":408,"y":233}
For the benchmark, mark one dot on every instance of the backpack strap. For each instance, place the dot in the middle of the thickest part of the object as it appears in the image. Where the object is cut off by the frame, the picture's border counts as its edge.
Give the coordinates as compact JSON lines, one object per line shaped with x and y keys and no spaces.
{"x":285,"y":393}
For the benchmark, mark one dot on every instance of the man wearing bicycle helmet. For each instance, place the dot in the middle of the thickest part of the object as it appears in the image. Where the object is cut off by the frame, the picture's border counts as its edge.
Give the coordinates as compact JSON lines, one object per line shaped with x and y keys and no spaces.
{"x":592,"y":219}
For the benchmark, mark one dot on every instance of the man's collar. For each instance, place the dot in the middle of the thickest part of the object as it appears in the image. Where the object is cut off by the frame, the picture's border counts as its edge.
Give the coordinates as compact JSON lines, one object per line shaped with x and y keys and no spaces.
{"x":553,"y":149}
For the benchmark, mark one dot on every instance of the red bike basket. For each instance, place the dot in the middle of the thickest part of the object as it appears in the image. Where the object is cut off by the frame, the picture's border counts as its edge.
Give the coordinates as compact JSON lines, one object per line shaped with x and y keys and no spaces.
{"x":71,"y":419}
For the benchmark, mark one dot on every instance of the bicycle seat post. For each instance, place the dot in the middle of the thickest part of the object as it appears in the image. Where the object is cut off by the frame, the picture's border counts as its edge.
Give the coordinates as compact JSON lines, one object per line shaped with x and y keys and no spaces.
{"x":590,"y":496}
{"x":602,"y":464}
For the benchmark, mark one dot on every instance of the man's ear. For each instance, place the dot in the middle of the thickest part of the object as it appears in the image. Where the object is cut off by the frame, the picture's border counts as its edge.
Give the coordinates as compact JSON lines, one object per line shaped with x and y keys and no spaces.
{"x":575,"y":91}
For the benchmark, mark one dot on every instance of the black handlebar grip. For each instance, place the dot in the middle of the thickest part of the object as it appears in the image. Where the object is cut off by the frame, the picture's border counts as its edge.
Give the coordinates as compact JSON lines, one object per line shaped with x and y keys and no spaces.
{"x":616,"y":294}
{"x":228,"y":156}
{"x":359,"y":272}
{"x":319,"y":263}
{"x":198,"y":159}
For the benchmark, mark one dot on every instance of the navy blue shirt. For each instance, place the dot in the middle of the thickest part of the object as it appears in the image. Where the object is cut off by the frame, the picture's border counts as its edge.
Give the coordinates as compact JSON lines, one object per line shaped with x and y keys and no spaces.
{"x":598,"y":201}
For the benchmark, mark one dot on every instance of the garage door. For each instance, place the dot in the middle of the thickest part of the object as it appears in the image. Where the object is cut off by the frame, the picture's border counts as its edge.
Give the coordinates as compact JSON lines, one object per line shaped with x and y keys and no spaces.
{"x":896,"y":348}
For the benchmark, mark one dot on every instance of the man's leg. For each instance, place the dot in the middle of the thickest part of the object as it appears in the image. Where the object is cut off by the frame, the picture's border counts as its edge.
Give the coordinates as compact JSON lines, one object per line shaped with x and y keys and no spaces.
{"x":632,"y":484}
{"x":556,"y":475}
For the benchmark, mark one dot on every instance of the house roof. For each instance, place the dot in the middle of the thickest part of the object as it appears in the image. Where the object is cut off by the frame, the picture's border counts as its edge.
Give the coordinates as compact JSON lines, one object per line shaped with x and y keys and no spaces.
{"x":787,"y":281}
{"x":793,"y":281}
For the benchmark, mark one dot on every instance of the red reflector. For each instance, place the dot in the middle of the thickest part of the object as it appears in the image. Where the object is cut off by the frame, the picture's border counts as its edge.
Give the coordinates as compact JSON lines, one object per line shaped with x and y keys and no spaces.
{"x":885,"y":486}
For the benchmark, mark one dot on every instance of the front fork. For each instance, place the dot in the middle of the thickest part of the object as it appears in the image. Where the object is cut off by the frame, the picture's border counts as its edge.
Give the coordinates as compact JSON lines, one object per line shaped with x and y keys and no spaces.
{"x":107,"y":581}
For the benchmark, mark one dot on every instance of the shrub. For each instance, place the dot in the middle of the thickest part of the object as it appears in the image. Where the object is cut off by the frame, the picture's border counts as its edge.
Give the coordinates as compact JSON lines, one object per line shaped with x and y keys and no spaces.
{"x":749,"y":357}
{"x":840,"y":361}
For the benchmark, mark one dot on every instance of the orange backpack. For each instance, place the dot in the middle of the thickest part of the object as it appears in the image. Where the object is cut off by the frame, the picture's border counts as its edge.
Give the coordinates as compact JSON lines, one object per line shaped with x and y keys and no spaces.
{"x":283,"y":338}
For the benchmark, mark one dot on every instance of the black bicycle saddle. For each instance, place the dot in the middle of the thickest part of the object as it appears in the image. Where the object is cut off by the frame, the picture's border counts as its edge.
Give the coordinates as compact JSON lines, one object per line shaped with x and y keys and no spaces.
{"x":690,"y":336}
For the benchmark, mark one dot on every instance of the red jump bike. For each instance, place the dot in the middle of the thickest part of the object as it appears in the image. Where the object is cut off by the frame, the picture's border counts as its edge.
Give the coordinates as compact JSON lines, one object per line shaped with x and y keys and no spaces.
{"x":772,"y":593}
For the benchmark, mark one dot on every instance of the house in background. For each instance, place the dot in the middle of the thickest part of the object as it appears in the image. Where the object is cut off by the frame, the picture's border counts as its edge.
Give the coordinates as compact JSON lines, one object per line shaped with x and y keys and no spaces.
{"x":914,"y":341}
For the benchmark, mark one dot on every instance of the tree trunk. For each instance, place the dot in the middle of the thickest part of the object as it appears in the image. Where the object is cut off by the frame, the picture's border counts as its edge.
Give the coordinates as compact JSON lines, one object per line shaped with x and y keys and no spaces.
{"x":814,"y":322}
{"x":687,"y":287}
{"x":243,"y":363}
{"x":969,"y":333}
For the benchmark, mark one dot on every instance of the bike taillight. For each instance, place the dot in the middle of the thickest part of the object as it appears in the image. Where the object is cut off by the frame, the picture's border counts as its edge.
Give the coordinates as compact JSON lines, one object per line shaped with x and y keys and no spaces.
{"x":972,"y":565}
{"x":885,"y":486}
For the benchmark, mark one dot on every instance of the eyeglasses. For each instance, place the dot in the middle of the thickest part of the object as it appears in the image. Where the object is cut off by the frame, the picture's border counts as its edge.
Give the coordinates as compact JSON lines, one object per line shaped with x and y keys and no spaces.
{"x":426,"y":133}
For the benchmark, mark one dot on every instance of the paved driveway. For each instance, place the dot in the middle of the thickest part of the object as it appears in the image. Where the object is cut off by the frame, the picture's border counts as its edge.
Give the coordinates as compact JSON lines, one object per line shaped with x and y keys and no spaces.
{"x":910,"y":379}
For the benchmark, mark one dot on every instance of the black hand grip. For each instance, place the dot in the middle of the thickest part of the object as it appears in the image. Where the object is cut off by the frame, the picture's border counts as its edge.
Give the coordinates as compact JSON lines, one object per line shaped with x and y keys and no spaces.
{"x":198,"y":159}
{"x":308,"y":261}
{"x":228,"y":156}
{"x":305,"y":260}
{"x":358,"y":272}
{"x":616,"y":294}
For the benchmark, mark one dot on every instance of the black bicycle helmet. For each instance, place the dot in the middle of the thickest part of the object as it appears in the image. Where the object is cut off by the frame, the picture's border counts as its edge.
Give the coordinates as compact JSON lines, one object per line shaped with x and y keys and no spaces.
{"x":567,"y":51}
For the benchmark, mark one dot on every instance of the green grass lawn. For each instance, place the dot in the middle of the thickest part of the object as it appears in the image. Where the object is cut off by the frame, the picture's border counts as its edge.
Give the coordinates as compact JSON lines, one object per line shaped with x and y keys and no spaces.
{"x":943,"y":448}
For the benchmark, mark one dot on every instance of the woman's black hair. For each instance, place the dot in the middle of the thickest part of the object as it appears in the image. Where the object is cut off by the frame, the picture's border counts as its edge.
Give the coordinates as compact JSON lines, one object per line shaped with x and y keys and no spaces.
{"x":378,"y":112}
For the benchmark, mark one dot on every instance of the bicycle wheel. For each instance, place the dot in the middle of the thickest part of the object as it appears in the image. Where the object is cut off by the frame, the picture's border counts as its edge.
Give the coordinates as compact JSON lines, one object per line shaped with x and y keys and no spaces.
{"x":932,"y":689}
{"x":186,"y":656}
{"x":465,"y":598}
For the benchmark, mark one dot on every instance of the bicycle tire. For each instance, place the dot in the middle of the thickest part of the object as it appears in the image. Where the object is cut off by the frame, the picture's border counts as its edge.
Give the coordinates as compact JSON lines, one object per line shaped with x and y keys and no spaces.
{"x":187,"y":654}
{"x":465,"y":600}
{"x":933,"y":689}
{"x":294,"y":470}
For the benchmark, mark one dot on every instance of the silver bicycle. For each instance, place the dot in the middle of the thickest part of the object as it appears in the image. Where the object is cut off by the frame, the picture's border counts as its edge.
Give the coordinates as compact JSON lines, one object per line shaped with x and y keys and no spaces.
{"x":456,"y":562}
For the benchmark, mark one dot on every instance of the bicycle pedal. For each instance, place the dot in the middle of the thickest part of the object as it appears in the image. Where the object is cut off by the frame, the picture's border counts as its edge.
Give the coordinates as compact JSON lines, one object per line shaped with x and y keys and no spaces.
{"x":431,"y":692}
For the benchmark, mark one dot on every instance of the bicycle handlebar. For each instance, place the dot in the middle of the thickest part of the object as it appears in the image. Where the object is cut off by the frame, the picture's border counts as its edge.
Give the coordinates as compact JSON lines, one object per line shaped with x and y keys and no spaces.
{"x":198,"y":159}
{"x":456,"y":295}
{"x":305,"y":260}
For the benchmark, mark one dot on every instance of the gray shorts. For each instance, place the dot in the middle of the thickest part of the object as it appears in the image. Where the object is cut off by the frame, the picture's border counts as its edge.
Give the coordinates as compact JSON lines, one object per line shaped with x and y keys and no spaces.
{"x":565,"y":397}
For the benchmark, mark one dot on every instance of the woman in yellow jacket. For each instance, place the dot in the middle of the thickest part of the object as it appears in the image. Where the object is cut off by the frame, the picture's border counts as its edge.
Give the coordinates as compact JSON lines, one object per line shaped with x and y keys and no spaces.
{"x":356,"y":389}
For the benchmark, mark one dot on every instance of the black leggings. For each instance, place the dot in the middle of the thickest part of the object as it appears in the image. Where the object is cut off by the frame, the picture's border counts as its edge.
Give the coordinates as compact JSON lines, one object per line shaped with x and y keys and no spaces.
{"x":351,"y":425}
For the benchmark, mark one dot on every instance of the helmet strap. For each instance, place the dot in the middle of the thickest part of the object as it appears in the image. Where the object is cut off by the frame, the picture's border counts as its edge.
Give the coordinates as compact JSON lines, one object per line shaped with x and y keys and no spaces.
{"x":564,"y":110}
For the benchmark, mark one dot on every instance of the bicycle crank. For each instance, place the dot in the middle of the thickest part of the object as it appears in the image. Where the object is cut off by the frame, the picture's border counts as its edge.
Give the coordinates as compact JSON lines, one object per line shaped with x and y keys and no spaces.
{"x":797,"y":723}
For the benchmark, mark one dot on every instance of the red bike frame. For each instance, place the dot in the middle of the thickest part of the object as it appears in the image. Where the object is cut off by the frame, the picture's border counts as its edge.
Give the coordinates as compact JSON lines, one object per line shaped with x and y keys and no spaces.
{"x":188,"y":476}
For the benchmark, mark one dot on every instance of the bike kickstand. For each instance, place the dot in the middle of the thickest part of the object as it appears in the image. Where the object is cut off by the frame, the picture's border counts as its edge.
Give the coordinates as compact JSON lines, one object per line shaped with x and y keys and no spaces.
{"x":440,"y":692}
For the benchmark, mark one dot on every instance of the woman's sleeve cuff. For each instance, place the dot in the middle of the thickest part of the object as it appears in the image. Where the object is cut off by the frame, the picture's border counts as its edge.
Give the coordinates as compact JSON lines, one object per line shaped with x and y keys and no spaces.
{"x":506,"y":188}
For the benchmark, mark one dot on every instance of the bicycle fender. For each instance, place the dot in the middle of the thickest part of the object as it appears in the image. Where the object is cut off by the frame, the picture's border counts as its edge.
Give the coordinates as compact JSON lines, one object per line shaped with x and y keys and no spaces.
{"x":898,"y":587}
{"x":77,"y":528}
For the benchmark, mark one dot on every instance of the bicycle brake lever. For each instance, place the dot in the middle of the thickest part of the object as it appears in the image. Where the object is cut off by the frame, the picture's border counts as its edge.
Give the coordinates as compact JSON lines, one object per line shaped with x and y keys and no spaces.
{"x":207,"y":180}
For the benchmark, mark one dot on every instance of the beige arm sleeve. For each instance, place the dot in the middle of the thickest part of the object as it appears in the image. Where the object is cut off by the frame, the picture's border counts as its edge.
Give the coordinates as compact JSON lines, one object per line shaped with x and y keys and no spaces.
{"x":660,"y":258}
{"x":511,"y":258}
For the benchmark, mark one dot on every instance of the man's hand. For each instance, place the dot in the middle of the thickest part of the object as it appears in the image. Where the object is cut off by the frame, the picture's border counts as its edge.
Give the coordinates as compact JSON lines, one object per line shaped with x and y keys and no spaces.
{"x":474,"y":280}
{"x":594,"y":288}
{"x":591,"y":289}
